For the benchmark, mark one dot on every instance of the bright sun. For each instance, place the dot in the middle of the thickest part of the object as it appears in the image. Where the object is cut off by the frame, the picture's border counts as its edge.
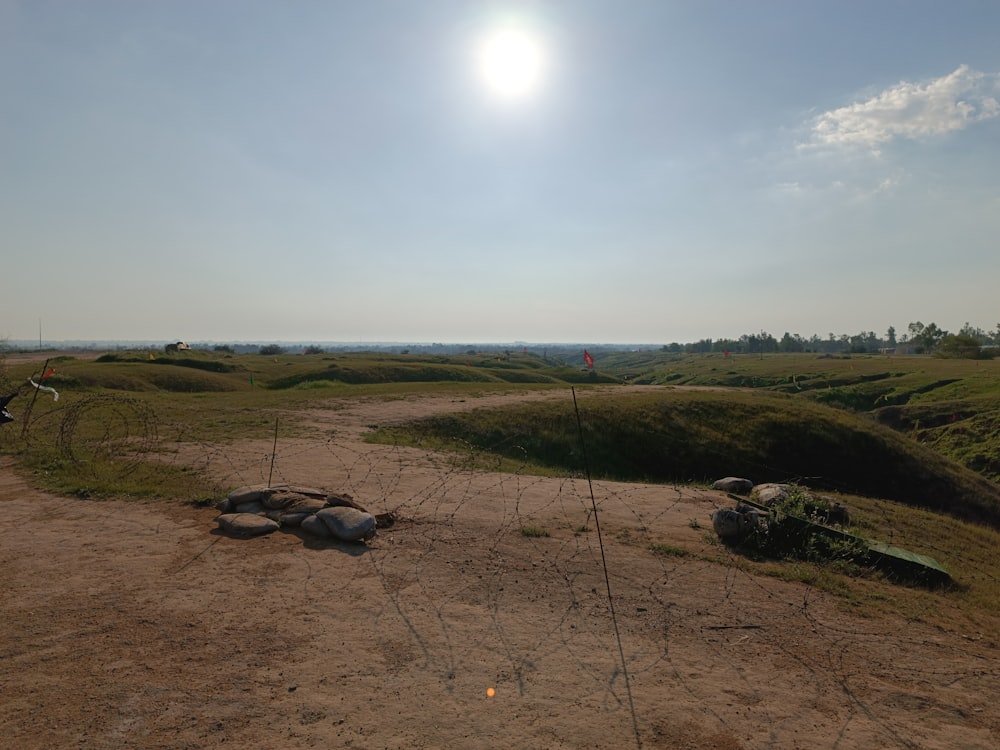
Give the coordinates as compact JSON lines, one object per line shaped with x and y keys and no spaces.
{"x":511,"y":63}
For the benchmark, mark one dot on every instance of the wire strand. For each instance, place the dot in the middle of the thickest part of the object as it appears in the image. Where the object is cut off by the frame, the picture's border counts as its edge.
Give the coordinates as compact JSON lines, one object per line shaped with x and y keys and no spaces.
{"x":607,"y":579}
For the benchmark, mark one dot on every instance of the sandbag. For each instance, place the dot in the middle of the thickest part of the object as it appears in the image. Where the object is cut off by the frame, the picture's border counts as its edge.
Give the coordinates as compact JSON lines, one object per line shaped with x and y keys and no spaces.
{"x":349,"y":524}
{"x":296,"y":489}
{"x":293,"y":519}
{"x":254,"y":506}
{"x":279,"y":500}
{"x":339,"y":498}
{"x":305,"y":505}
{"x":247,"y":494}
{"x":316,"y":527}
{"x":246,"y":524}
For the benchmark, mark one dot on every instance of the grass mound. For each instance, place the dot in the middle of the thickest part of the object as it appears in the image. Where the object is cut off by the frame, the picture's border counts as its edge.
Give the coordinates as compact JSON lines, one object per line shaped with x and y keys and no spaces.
{"x":700,"y":436}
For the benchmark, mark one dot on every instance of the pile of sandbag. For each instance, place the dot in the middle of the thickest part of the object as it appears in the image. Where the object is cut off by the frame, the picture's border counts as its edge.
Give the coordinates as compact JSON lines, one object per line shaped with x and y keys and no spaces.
{"x":259,"y":509}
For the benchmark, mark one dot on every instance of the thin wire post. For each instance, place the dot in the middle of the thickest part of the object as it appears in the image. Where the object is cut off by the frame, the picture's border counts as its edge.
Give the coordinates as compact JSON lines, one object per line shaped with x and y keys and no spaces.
{"x":607,"y":579}
{"x":274,"y":452}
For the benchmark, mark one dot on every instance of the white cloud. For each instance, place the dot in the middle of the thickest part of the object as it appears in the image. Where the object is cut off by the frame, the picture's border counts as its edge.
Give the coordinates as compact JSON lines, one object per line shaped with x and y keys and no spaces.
{"x":913,"y":110}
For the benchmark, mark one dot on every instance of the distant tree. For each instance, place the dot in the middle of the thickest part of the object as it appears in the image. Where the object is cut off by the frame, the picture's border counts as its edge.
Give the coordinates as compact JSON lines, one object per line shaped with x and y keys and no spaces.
{"x":890,"y":337}
{"x":932,"y":336}
{"x":271,"y":350}
{"x":975,"y":332}
{"x":225,"y":348}
{"x":926,"y":337}
{"x":699,"y":347}
{"x":959,"y":345}
{"x":726,"y":345}
{"x":864,"y":342}
{"x":313,"y":349}
{"x":791,"y":343}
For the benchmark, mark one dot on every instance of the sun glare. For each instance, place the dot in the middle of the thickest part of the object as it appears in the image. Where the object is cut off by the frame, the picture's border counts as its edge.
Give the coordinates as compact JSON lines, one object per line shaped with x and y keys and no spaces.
{"x":511,"y":63}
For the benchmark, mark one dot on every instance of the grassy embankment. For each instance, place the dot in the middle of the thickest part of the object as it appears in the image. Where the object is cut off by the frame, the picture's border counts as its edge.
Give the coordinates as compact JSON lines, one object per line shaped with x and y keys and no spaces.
{"x":887,"y":432}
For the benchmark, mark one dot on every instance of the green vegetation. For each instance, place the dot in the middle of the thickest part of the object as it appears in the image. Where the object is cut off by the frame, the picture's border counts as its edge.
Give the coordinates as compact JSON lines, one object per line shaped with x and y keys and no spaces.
{"x":898,"y":427}
{"x":668,"y":550}
{"x":534,"y":531}
{"x":951,"y":405}
{"x":698,"y":436}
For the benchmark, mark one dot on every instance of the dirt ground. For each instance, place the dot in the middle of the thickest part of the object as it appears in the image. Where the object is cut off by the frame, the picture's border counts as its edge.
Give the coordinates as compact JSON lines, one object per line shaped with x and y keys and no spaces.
{"x":137,"y":625}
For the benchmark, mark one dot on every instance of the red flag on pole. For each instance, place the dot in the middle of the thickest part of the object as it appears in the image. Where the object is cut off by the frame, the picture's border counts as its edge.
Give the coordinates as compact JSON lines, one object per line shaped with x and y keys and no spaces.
{"x":588,"y":359}
{"x":49,"y":374}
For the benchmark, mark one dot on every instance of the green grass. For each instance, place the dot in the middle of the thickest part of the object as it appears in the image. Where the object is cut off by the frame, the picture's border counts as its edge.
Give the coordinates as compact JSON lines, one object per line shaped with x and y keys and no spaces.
{"x":698,"y":436}
{"x":534,"y":531}
{"x":952,"y":405}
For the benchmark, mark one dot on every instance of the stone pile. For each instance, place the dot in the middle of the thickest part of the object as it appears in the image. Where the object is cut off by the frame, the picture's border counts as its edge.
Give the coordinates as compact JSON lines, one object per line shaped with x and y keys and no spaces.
{"x":260,"y":509}
{"x":734,"y":525}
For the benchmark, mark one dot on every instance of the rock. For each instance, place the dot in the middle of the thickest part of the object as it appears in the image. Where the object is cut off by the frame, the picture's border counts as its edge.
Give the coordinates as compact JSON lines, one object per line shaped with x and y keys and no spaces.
{"x":769,"y":494}
{"x":316,"y":527}
{"x":736,"y":485}
{"x":225,"y":505}
{"x":246,"y":524}
{"x":733,"y":526}
{"x":347,"y":523}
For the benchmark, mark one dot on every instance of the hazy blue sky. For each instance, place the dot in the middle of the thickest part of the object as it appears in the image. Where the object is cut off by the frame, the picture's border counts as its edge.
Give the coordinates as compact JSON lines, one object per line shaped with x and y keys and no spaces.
{"x":341,"y":171}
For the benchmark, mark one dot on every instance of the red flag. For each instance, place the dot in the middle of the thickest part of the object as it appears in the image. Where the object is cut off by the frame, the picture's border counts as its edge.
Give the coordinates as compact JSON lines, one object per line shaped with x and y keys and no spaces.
{"x":49,"y":374}
{"x":588,"y":359}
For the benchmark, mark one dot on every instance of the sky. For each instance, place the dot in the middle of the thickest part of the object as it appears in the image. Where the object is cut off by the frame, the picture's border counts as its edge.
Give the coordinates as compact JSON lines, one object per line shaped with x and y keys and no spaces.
{"x":618,"y":172}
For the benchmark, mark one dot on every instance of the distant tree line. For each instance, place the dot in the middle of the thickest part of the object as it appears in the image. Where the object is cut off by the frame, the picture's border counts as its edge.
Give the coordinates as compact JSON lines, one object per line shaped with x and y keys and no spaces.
{"x":970,"y":342}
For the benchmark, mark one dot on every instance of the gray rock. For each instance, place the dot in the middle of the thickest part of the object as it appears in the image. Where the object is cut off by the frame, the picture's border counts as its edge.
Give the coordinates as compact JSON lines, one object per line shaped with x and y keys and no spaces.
{"x":731,"y":525}
{"x":769,"y":494}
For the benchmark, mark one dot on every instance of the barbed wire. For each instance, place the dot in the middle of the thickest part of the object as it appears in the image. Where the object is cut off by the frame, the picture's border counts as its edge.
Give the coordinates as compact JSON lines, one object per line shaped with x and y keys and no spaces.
{"x":668,"y":633}
{"x":440,"y":500}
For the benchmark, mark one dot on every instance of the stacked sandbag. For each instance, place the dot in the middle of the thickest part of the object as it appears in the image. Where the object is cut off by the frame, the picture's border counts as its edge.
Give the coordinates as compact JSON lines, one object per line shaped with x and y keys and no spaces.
{"x":246,"y":524}
{"x":260,"y":509}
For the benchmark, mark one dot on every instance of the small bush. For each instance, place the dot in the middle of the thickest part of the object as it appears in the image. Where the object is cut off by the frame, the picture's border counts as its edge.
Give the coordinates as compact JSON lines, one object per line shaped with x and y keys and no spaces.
{"x":533,"y":531}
